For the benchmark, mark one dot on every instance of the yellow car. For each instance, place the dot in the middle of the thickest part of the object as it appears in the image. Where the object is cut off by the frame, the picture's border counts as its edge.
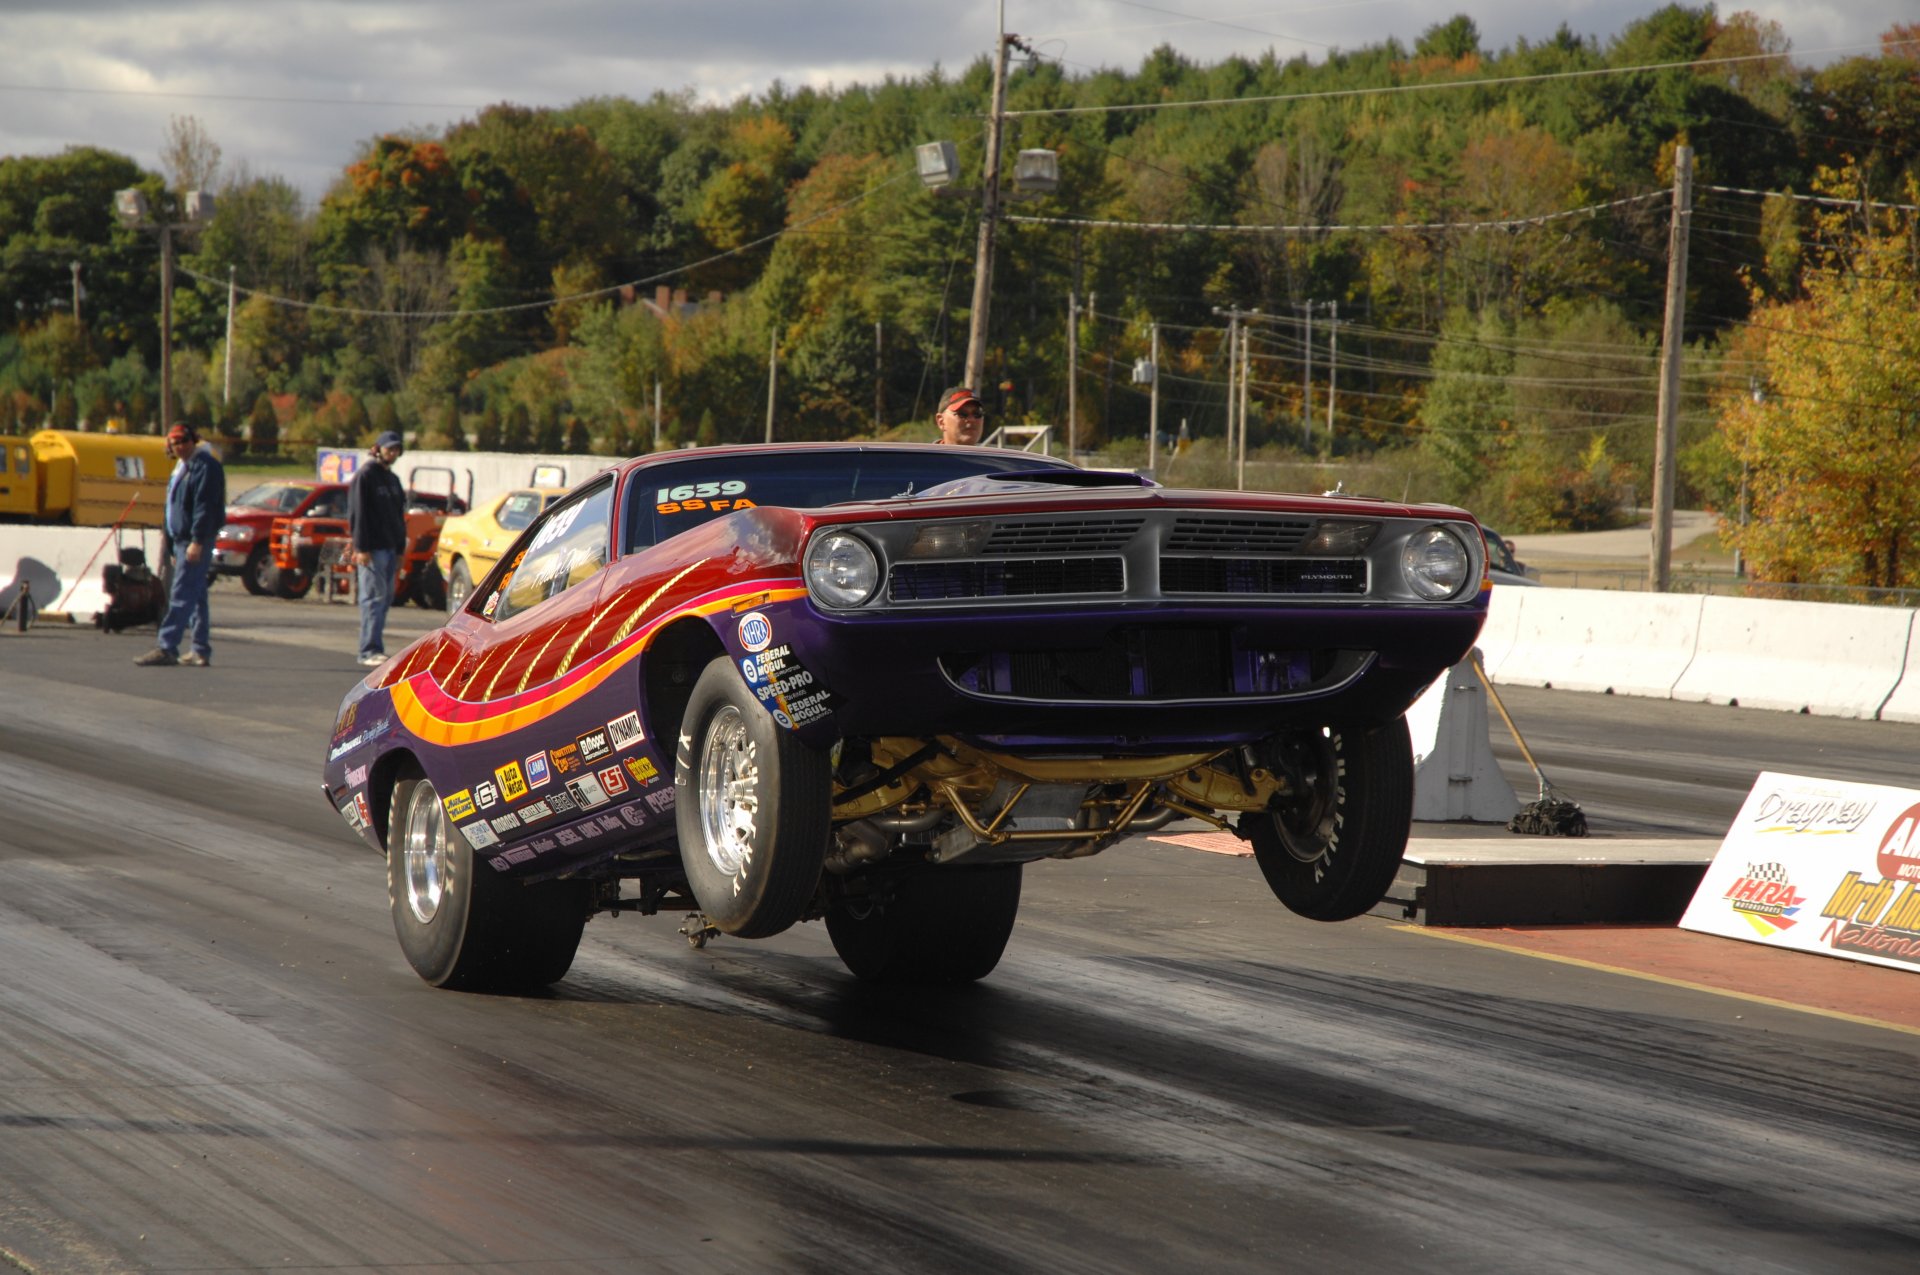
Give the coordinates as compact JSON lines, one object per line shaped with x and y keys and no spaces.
{"x":471,"y":543}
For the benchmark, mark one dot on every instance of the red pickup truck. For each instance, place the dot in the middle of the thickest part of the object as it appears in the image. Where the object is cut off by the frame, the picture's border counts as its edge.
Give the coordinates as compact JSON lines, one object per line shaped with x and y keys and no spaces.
{"x":308,"y":510}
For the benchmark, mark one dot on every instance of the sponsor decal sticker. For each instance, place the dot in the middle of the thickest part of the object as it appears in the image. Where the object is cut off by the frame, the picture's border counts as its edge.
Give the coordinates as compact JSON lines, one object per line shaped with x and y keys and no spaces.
{"x":594,"y":745}
{"x":356,"y":776}
{"x":661,"y":801}
{"x":566,"y":758}
{"x":478,"y":835}
{"x":535,"y":811}
{"x":512,"y":784}
{"x":750,"y":669}
{"x":613,"y":781}
{"x":485,"y":794}
{"x":566,"y":836}
{"x":360,"y":807}
{"x":626,"y":731}
{"x":518,"y":855}
{"x":787,"y":687}
{"x":642,"y":769}
{"x":609,"y":824}
{"x":460,"y":805}
{"x":538,"y":771}
{"x":587,"y":792}
{"x":541,"y":845}
{"x":786,"y":723}
{"x":560,"y":802}
{"x":631,"y":813}
{"x":756,"y":631}
{"x":506,"y":823}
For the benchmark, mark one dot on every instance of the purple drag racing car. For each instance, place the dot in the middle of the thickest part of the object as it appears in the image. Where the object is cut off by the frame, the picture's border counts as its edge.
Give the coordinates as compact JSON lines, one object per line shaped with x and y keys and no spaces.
{"x":867,"y":683}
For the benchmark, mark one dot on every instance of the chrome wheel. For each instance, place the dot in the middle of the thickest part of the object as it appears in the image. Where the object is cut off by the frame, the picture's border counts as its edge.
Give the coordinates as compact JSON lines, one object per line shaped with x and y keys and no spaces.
{"x":426,"y":853}
{"x":729,"y":793}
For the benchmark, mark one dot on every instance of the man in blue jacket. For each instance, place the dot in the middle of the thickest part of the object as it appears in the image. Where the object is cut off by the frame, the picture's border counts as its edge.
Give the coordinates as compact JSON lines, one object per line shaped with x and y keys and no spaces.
{"x":196,"y":506}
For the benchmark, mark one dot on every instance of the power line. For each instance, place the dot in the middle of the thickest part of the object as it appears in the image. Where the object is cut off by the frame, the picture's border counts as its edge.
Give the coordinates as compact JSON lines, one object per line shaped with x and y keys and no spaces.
{"x":1511,"y":223}
{"x":1382,"y":90}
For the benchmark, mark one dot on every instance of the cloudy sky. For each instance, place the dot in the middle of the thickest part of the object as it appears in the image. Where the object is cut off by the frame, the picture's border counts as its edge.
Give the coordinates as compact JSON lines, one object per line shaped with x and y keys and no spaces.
{"x":292,"y":87}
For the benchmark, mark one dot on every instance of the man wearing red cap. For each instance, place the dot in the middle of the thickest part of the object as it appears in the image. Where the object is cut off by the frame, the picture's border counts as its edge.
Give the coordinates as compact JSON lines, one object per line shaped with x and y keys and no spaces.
{"x":961,"y":418}
{"x":196,"y":506}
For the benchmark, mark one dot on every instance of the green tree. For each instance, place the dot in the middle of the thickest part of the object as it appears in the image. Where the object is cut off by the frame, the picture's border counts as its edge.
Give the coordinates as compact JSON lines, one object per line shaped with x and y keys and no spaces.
{"x":263,"y":426}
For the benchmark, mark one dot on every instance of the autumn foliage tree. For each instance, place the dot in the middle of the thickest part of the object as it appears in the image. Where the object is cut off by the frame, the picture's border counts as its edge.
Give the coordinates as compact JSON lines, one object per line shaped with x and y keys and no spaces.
{"x":1830,"y":443}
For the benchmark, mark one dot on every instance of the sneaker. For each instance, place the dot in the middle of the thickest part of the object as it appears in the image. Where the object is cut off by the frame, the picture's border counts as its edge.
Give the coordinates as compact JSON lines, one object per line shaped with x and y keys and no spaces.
{"x":372,"y":661}
{"x":158,"y":655}
{"x":193,"y":659}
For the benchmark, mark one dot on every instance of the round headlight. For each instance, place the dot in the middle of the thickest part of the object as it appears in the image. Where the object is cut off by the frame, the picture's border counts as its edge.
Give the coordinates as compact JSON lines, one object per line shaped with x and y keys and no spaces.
{"x":841,"y":569}
{"x":1435,"y":563}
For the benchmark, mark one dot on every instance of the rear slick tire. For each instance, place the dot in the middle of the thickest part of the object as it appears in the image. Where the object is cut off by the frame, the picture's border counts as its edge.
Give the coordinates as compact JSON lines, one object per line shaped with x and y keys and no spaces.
{"x":1331,"y":850}
{"x":935,"y":928}
{"x":461,"y":924}
{"x":754,"y":809}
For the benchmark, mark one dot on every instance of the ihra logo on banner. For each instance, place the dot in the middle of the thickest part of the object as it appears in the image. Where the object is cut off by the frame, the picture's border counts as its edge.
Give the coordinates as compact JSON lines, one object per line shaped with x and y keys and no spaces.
{"x":1765,"y":899}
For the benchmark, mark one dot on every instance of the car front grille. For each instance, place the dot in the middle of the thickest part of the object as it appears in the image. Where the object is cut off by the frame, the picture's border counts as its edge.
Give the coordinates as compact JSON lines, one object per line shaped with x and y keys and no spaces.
{"x":1227,"y":533}
{"x":1013,"y":578}
{"x":1288,"y":577}
{"x":1062,"y":535}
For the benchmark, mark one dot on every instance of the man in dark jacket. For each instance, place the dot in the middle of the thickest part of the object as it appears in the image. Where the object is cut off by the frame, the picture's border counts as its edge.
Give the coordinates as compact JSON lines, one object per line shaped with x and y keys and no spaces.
{"x":196,"y":506}
{"x":377,"y":513}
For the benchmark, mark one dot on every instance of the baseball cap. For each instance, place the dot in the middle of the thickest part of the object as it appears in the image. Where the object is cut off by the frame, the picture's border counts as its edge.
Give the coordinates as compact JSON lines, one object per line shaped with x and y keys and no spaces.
{"x":179,"y":432}
{"x":956,"y":396}
{"x":389,"y":439}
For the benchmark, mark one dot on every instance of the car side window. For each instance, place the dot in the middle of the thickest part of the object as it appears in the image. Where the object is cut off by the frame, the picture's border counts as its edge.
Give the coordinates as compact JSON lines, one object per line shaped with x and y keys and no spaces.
{"x":331,"y":505}
{"x":518,"y":510}
{"x":569,"y":545}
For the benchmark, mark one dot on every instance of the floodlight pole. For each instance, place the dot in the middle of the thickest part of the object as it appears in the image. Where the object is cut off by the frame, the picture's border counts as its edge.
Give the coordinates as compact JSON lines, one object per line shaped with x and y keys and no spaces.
{"x":989,"y":215}
{"x":1666,"y":427}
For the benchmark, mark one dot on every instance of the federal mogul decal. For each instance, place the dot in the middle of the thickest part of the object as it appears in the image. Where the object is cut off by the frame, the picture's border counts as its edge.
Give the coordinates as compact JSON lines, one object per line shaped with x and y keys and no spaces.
{"x":1881,"y":917}
{"x":780,"y":681}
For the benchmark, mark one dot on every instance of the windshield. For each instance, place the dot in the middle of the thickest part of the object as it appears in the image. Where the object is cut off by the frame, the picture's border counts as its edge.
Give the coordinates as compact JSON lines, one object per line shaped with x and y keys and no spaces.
{"x":666,"y":500}
{"x":279,"y":498}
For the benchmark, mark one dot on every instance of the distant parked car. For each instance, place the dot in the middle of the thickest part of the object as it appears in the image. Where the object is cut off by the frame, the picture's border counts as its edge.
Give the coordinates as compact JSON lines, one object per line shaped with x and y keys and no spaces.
{"x":1502,"y":566}
{"x":472,"y":543}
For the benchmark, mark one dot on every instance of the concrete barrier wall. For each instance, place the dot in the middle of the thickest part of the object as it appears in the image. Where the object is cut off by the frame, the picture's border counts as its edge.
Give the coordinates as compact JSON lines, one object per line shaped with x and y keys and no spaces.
{"x":1903,"y":704}
{"x":1824,"y":658}
{"x":1595,"y":640}
{"x":1503,"y":621}
{"x":61,"y":565}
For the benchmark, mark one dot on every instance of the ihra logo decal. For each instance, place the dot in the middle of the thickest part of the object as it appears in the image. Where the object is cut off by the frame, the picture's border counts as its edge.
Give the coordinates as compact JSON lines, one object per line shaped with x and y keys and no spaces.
{"x":1765,"y":899}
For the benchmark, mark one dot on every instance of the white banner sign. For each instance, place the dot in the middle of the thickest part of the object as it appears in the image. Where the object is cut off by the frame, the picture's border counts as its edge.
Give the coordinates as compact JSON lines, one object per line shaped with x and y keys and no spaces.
{"x":1822,"y":866}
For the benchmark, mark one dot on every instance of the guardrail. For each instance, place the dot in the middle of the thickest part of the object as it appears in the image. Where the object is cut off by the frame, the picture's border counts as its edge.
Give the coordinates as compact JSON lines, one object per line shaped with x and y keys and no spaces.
{"x":1722,"y":584}
{"x":1824,"y":658}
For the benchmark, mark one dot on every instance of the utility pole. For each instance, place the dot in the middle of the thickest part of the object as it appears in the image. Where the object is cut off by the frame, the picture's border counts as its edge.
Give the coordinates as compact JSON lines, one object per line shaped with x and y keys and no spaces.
{"x":879,"y":374}
{"x":659,"y":426}
{"x":1073,"y":373}
{"x":1153,"y":401}
{"x":1660,"y":570}
{"x":1333,"y":363}
{"x":166,"y":329}
{"x":989,"y":213}
{"x":78,"y":291}
{"x":1306,"y":382}
{"x":773,"y":373}
{"x":1246,"y":375}
{"x":226,"y":380}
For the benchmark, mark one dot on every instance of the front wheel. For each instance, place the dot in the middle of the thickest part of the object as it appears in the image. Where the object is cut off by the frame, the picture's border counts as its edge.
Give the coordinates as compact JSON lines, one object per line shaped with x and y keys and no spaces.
{"x":291,"y":582}
{"x":461,"y":924}
{"x":753,"y":805}
{"x":459,"y":585}
{"x":1330,"y":849}
{"x":260,"y":575}
{"x":945,"y":926}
